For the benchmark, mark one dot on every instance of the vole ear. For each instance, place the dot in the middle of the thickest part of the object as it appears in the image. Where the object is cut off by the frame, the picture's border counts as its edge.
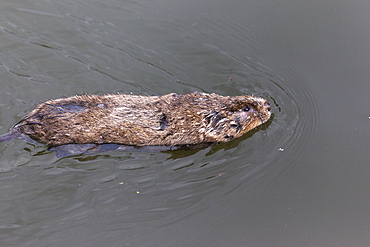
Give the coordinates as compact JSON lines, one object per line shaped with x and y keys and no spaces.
{"x":213,"y":118}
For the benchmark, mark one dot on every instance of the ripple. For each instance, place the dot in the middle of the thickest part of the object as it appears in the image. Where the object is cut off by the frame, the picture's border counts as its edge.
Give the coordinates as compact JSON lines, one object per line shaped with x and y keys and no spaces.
{"x":220,"y":56}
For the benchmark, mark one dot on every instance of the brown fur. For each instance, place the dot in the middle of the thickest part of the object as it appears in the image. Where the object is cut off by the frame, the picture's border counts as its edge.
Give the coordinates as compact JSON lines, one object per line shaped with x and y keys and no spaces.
{"x":169,"y":120}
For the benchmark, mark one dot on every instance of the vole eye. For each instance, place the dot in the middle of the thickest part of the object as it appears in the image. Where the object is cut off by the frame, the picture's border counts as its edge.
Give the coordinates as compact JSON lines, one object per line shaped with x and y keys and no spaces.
{"x":247,"y":108}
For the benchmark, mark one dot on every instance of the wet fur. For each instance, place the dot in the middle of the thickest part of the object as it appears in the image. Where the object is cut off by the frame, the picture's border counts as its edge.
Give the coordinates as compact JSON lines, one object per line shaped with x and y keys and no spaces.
{"x":166,"y":120}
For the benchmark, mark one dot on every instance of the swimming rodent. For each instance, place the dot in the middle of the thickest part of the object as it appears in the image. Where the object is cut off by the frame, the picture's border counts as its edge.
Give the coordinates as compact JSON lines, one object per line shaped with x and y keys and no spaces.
{"x":168,"y":120}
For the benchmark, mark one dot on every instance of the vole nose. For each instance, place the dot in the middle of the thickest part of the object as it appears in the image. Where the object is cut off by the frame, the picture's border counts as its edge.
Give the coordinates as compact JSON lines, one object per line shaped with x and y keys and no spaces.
{"x":267,"y":105}
{"x":265,"y":112}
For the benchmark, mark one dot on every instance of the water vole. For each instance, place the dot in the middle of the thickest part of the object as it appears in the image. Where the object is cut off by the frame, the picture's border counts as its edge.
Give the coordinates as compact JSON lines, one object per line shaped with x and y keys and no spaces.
{"x":167,"y":120}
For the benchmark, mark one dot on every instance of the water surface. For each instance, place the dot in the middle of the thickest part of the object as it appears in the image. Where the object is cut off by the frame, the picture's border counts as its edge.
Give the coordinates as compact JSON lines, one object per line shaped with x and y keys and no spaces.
{"x":299,"y":180}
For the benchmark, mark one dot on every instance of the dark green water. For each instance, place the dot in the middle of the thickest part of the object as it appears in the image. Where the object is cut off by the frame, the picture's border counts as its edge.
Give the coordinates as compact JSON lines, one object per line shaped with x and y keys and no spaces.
{"x":301,"y":180}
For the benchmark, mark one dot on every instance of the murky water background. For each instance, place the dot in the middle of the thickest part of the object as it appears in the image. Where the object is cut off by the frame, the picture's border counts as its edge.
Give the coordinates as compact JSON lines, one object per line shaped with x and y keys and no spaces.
{"x":300,"y":180}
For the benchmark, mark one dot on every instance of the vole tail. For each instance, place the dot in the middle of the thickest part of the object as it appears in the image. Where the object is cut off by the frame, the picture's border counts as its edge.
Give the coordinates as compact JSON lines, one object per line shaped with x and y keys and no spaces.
{"x":6,"y":137}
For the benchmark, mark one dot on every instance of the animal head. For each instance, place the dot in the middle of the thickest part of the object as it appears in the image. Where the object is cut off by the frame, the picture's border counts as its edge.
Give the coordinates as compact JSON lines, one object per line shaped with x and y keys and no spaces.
{"x":243,"y":114}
